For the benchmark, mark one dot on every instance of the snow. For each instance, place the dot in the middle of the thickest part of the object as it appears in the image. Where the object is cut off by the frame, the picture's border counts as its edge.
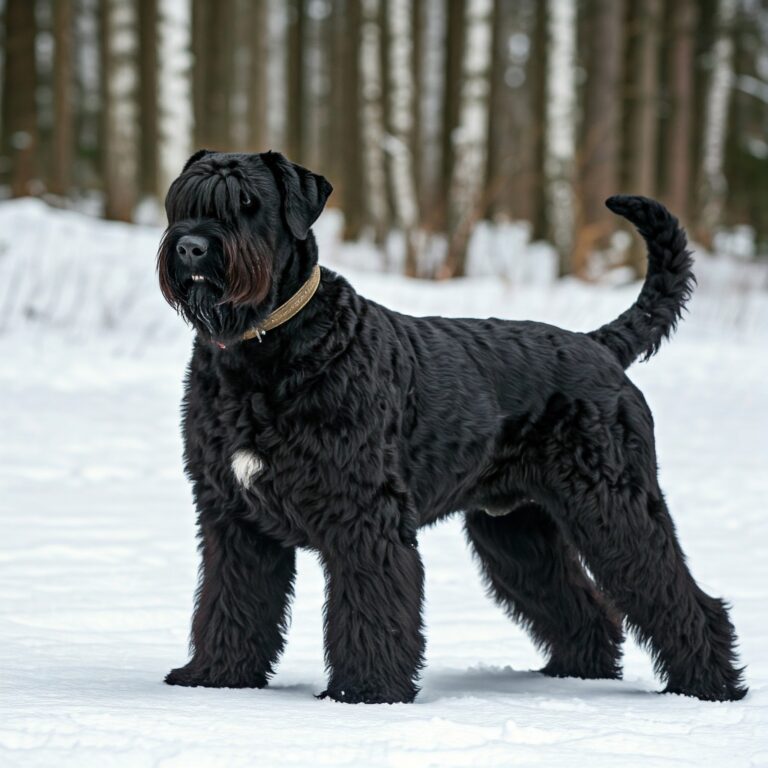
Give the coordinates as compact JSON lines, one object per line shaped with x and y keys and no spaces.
{"x":98,"y":560}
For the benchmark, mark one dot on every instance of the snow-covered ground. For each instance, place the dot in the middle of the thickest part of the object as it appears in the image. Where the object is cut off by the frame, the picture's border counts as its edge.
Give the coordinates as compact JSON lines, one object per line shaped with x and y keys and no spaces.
{"x":98,"y":561}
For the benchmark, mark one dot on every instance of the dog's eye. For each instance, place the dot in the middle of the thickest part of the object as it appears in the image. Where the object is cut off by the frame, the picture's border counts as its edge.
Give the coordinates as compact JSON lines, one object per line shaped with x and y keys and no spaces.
{"x":246,"y":201}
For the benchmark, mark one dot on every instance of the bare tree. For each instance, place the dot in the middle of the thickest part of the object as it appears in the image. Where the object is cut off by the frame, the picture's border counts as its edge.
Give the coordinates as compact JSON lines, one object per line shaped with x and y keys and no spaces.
{"x":680,"y":182}
{"x":470,"y":137}
{"x":213,"y":46}
{"x":454,"y":56}
{"x":537,"y":74}
{"x":20,"y":129}
{"x":148,"y":96}
{"x":258,"y":52}
{"x":599,"y":150}
{"x":498,"y":126}
{"x":401,"y":108}
{"x":63,"y":96}
{"x":120,"y":153}
{"x":347,"y":152}
{"x":296,"y":129}
{"x":373,"y":119}
{"x":430,"y":92}
{"x":713,"y":181}
{"x":642,"y":109}
{"x":175,"y":91}
{"x":559,"y":138}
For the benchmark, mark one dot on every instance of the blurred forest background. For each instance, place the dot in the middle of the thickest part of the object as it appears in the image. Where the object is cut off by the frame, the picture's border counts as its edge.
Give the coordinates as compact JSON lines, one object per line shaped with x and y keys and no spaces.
{"x":427,"y":116}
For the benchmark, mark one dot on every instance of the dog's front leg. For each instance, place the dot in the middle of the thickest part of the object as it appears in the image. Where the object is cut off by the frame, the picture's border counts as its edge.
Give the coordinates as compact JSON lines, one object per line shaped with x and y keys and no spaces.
{"x":241,"y":610}
{"x":373,"y":628}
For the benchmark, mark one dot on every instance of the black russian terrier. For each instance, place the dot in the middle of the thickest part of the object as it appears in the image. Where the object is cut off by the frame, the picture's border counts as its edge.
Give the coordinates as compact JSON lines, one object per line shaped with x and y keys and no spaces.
{"x":316,"y":418}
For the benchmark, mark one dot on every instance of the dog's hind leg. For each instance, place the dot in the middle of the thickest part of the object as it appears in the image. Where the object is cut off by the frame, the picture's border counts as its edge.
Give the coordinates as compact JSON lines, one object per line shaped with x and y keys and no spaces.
{"x":604,"y":471}
{"x":536,"y":576}
{"x":634,"y":554}
{"x":241,"y":611}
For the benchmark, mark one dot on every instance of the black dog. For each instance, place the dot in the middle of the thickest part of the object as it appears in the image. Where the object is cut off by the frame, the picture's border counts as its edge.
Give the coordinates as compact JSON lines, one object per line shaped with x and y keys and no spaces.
{"x":335,"y":424}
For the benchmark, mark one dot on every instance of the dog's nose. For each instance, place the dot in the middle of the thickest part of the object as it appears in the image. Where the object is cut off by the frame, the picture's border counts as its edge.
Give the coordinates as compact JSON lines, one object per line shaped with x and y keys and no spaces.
{"x":192,"y":249}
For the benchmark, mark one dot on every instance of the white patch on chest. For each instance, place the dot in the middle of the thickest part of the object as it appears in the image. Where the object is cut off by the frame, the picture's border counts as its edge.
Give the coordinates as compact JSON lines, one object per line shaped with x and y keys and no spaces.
{"x":246,"y":465}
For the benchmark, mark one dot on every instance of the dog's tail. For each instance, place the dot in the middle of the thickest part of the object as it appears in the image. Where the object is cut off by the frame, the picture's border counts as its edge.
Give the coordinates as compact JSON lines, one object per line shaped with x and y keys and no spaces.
{"x":668,"y":283}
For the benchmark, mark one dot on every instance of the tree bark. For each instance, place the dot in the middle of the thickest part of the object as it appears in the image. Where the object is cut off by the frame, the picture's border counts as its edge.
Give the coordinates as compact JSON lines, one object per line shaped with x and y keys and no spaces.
{"x":20,"y":129}
{"x":257,"y":18}
{"x":148,"y":97}
{"x":201,"y":26}
{"x":454,"y":56}
{"x":348,"y":150}
{"x":466,"y":202}
{"x":643,"y":122}
{"x":684,"y":14}
{"x":537,"y":73}
{"x":372,"y":119}
{"x":63,"y":96}
{"x":176,"y":110}
{"x":296,"y":134}
{"x":560,"y":127}
{"x":401,"y":107}
{"x":430,"y":92}
{"x":599,"y":151}
{"x":120,"y":122}
{"x":714,"y":185}
{"x":213,"y":50}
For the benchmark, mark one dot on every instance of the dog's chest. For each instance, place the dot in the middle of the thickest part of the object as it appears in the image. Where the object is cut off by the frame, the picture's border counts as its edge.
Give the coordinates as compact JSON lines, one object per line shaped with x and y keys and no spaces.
{"x":267,"y":454}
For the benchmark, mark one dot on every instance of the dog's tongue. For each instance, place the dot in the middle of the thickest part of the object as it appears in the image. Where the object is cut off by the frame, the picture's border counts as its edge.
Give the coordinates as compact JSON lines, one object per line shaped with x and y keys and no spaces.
{"x":219,"y":344}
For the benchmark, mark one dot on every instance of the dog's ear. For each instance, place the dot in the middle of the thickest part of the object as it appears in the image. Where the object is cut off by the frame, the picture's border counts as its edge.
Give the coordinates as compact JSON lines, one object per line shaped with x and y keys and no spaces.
{"x":304,"y":193}
{"x":200,"y":153}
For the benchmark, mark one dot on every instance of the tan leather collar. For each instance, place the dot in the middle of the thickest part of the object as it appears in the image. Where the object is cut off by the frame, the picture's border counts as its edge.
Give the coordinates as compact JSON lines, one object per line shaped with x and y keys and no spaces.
{"x":286,"y":311}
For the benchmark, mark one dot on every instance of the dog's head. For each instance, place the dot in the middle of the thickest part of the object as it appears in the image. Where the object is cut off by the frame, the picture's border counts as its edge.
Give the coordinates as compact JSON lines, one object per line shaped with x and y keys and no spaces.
{"x":233,"y":223}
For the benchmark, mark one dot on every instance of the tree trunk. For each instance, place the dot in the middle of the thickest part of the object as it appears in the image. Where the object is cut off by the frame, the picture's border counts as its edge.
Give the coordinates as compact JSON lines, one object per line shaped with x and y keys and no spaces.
{"x":175,"y":92}
{"x":296,"y":134}
{"x":714,"y":186}
{"x":466,"y":202}
{"x":430,"y":92}
{"x":120,"y":131}
{"x":372,"y":119}
{"x":348,"y":150}
{"x":418,"y":11}
{"x":148,"y":97}
{"x":498,"y":124}
{"x":559,"y":151}
{"x":599,"y":151}
{"x":201,"y":26}
{"x":454,"y":56}
{"x":643,"y":111}
{"x":20,"y":130}
{"x":401,"y":106}
{"x":537,"y":73}
{"x":63,"y":97}
{"x":258,"y":53}
{"x":680,"y":183}
{"x":213,"y":50}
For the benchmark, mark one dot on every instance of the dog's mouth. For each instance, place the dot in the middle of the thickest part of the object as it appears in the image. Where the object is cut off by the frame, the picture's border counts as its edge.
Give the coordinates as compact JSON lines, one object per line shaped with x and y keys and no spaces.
{"x":198,"y":282}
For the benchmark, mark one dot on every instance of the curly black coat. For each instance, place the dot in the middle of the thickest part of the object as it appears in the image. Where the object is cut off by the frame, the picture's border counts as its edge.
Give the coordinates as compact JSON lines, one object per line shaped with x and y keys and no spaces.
{"x":351,"y":426}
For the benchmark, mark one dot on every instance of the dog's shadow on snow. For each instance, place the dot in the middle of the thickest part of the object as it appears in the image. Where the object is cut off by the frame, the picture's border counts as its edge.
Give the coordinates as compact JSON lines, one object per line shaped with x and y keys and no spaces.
{"x":484,"y":681}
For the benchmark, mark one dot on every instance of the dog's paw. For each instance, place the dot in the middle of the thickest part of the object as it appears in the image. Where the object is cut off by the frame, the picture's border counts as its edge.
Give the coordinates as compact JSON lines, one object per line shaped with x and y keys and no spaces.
{"x":557,"y":668}
{"x":193,"y":676}
{"x":731,"y":689}
{"x":349,"y":696}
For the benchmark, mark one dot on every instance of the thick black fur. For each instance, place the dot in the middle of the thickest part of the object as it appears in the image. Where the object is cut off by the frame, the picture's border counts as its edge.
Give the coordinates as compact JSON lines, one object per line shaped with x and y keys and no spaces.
{"x":360,"y":425}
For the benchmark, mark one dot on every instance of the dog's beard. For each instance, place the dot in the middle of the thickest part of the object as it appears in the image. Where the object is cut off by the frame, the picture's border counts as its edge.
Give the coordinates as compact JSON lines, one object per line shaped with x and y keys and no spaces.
{"x":236,"y":278}
{"x":203,"y":309}
{"x":220,"y":320}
